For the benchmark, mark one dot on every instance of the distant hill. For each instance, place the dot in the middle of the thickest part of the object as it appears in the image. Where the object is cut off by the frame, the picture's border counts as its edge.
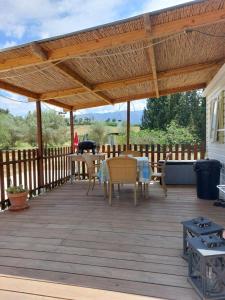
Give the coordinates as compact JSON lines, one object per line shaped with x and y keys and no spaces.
{"x":119,"y":115}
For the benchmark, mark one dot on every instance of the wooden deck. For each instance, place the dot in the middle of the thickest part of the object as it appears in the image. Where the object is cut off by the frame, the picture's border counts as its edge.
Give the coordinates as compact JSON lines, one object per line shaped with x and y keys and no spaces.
{"x":70,"y":246}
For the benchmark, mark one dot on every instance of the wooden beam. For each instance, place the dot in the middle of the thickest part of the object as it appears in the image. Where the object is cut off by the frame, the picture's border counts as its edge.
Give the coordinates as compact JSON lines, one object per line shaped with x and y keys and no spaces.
{"x":150,"y":53}
{"x":198,"y":20}
{"x":60,"y":104}
{"x":38,"y":51}
{"x":78,"y":79}
{"x":18,"y":90}
{"x":128,"y":124}
{"x":40,"y":146}
{"x":157,"y":31}
{"x":71,"y":132}
{"x":133,"y":97}
{"x":130,"y":81}
{"x":163,"y":92}
{"x":62,"y":93}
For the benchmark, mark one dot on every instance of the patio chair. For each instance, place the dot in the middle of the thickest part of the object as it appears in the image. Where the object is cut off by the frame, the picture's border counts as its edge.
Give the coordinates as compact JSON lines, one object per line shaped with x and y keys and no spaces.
{"x":160,"y":173}
{"x":91,"y":170}
{"x":131,"y":153}
{"x":122,"y":170}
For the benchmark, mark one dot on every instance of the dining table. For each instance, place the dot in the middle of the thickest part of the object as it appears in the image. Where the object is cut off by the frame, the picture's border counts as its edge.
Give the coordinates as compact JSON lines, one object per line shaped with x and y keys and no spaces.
{"x":144,"y":170}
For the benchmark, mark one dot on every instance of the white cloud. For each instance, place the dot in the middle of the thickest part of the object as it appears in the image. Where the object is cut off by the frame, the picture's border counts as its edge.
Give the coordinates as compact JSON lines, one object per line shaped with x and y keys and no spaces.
{"x":153,"y":5}
{"x":41,"y":18}
{"x":8,"y":44}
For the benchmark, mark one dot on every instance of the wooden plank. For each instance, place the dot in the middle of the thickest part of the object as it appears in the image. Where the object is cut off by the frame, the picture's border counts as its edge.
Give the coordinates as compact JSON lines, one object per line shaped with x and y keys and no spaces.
{"x":8,"y":169}
{"x":126,"y":287}
{"x":202,"y":151}
{"x":150,"y":53}
{"x":45,"y":162}
{"x":34,"y":166}
{"x":32,"y":289}
{"x":182,"y":152}
{"x":2,"y":183}
{"x":14,"y":181}
{"x":176,"y":152}
{"x":18,"y":90}
{"x":30,"y":171}
{"x":60,"y":104}
{"x":152,"y":153}
{"x":195,"y":151}
{"x":38,"y":51}
{"x":19,"y":166}
{"x":49,"y":167}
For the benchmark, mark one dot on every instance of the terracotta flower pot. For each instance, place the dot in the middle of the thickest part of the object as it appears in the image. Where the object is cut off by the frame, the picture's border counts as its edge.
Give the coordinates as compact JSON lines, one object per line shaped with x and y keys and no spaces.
{"x":18,"y":201}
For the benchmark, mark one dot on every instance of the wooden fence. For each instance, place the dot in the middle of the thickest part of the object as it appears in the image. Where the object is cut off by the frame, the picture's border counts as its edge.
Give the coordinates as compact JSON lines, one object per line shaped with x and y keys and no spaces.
{"x":22,"y":167}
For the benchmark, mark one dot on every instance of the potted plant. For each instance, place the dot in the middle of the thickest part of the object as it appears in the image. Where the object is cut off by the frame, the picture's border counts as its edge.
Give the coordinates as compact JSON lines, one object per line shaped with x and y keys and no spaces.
{"x":18,"y":197}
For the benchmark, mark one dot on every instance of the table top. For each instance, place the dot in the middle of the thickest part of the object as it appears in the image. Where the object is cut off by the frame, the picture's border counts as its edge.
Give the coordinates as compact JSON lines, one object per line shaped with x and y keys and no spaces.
{"x":80,"y":157}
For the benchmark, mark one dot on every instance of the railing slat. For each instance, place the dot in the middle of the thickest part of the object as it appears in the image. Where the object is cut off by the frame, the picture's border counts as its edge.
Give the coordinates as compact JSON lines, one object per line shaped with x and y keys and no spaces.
{"x":2,"y":181}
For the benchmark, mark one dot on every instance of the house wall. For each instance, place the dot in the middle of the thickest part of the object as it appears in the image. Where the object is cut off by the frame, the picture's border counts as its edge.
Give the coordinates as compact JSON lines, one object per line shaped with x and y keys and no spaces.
{"x":215,"y":150}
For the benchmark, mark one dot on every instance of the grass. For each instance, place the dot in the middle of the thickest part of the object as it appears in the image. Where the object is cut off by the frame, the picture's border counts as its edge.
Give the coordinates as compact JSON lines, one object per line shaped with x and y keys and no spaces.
{"x":85,"y":129}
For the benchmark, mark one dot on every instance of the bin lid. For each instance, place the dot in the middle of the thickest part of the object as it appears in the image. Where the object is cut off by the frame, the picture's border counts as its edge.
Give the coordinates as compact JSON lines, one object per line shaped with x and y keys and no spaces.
{"x":207,"y":164}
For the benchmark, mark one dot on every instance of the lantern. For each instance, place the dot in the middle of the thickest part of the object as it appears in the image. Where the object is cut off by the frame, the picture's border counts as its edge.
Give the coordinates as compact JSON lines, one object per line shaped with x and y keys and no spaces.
{"x":206,"y":265}
{"x":197,"y":227}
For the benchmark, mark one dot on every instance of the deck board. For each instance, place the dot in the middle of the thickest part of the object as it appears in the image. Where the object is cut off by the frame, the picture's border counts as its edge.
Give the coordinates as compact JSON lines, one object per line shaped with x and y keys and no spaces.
{"x":68,"y":245}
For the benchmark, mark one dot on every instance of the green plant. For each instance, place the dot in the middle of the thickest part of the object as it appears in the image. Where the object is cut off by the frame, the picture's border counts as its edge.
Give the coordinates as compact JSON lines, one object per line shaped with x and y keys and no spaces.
{"x":16,"y":189}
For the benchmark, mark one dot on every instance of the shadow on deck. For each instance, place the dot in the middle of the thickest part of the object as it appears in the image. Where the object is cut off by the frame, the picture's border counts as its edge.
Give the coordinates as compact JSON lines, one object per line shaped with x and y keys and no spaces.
{"x":72,"y":246}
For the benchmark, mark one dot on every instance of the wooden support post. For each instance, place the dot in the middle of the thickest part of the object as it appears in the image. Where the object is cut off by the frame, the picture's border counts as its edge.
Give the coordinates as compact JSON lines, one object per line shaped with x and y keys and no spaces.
{"x":40,"y":146}
{"x":128,"y":124}
{"x":72,"y":130}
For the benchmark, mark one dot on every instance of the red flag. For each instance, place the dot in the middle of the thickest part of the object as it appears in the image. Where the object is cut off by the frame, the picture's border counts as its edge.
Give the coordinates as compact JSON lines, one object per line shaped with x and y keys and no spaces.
{"x":75,"y":140}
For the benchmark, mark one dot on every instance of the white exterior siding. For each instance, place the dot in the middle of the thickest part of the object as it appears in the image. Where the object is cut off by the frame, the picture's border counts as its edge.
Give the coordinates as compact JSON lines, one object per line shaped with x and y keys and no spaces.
{"x":215,"y":150}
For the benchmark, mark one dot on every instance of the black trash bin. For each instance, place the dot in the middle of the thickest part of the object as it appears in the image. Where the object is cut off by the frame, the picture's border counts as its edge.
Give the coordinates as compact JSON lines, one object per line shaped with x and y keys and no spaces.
{"x":208,"y":177}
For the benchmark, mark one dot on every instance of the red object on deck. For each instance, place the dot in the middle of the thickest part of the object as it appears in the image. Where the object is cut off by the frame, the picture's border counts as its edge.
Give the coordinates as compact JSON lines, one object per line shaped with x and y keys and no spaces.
{"x":75,"y":140}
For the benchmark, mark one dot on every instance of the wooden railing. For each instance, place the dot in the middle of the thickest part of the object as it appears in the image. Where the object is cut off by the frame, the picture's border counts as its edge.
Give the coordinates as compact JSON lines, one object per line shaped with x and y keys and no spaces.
{"x":157,"y":152}
{"x":22,"y":167}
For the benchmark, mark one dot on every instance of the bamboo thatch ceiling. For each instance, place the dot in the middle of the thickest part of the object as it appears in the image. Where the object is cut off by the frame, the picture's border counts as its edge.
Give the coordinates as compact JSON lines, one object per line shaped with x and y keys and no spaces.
{"x":172,"y":50}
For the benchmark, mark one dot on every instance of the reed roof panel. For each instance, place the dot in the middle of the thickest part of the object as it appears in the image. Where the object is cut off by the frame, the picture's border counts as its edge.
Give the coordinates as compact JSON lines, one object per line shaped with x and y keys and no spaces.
{"x":140,"y":57}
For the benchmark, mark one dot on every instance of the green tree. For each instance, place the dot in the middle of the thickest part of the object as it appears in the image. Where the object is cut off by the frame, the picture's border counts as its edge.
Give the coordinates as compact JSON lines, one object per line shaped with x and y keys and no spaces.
{"x":98,"y":133}
{"x":11,"y":130}
{"x":55,"y":130}
{"x":186,"y":109}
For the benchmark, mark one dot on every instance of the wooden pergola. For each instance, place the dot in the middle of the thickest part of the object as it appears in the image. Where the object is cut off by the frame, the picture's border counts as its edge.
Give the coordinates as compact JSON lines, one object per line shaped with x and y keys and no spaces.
{"x":173,"y":50}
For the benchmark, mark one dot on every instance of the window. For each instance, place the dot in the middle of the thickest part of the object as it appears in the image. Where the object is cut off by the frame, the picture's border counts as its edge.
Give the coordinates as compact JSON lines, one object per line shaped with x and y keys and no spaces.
{"x":217,"y":119}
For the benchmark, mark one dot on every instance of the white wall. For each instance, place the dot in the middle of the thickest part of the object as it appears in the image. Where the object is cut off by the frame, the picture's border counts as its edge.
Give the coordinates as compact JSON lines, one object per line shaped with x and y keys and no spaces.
{"x":215,"y":150}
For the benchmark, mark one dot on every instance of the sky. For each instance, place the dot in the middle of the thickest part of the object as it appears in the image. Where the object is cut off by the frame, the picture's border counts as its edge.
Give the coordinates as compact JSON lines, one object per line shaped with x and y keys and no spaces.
{"x":24,"y":21}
